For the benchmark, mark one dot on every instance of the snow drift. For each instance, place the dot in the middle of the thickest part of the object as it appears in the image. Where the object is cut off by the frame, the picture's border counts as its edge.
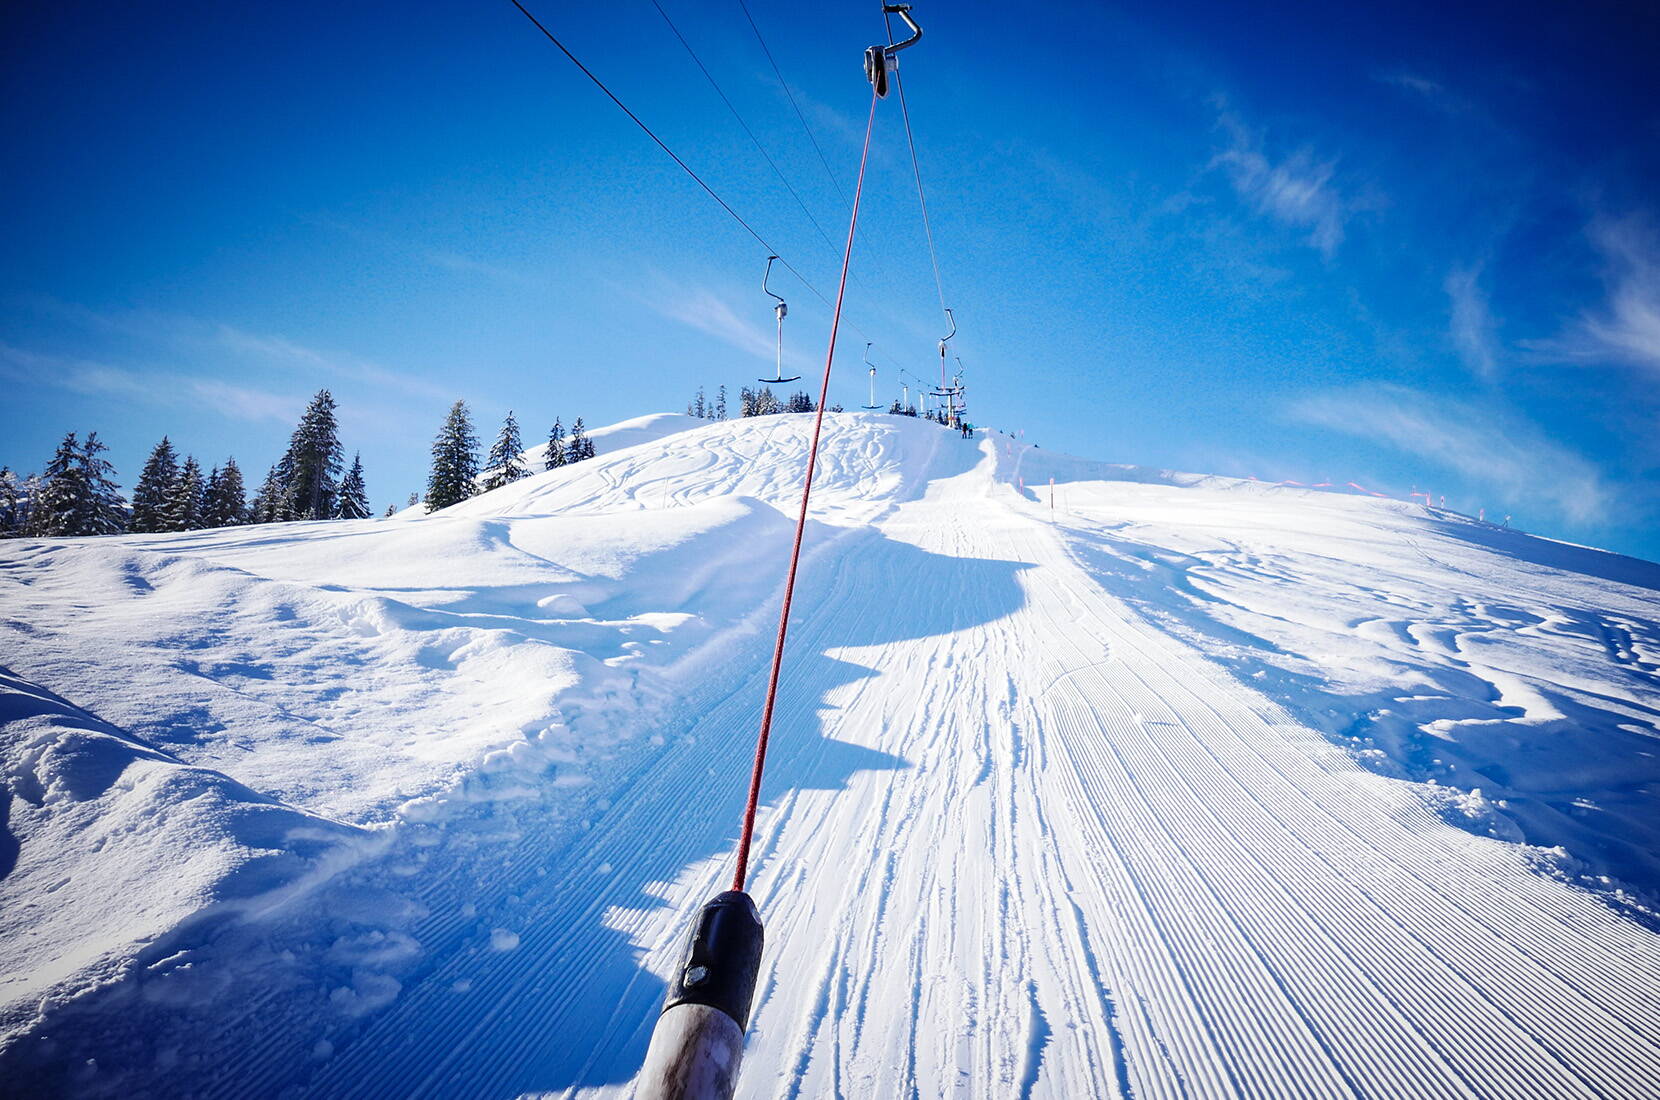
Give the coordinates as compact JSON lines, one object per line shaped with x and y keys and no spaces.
{"x":1184,"y":786}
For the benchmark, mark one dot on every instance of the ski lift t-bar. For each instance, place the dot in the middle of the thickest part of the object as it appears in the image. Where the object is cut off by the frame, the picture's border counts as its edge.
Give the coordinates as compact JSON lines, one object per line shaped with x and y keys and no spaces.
{"x":697,"y":1044}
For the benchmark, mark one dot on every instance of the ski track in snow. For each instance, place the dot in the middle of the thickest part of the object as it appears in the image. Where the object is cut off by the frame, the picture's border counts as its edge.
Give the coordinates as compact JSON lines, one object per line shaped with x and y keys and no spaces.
{"x":1027,"y":830}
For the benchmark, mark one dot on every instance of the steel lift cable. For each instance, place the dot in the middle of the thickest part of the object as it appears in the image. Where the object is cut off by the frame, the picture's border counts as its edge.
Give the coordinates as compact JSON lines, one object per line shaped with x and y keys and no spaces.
{"x":951,"y":393}
{"x":785,"y":84}
{"x":916,"y":170}
{"x":661,"y":144}
{"x":707,"y":75}
{"x":697,"y":1043}
{"x":740,"y":873}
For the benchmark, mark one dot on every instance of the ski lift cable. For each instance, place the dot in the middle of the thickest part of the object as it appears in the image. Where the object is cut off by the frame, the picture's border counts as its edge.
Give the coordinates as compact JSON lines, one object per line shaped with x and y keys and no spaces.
{"x":756,"y":141}
{"x":740,"y":873}
{"x":661,"y":144}
{"x":759,"y":37}
{"x":916,"y":170}
{"x":707,"y":75}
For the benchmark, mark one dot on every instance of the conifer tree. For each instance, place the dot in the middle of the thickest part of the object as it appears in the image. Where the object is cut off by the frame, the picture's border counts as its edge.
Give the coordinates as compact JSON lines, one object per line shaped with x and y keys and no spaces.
{"x":354,"y":495}
{"x":504,"y":465}
{"x":108,"y":509}
{"x":578,"y":447}
{"x":720,"y":403}
{"x":454,"y":460}
{"x":227,"y":503}
{"x":11,"y":504}
{"x":554,"y":457}
{"x":746,"y":402}
{"x":62,"y":507}
{"x":155,"y":487}
{"x":800,"y":402}
{"x":698,"y":407}
{"x":32,"y":488}
{"x":309,"y":472}
{"x":414,"y":499}
{"x":765,"y":403}
{"x":184,"y":509}
{"x":267,"y":506}
{"x":391,"y":510}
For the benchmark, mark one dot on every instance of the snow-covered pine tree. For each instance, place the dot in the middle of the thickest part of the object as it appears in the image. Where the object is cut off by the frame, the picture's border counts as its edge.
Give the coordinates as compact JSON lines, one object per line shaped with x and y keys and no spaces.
{"x":267,"y":505}
{"x":354,"y":495}
{"x":310,"y":470}
{"x":227,"y":504}
{"x":108,"y":515}
{"x":700,"y":407}
{"x":391,"y":510}
{"x":746,"y":402}
{"x":720,"y":403}
{"x":554,"y":457}
{"x":505,"y":466}
{"x":454,"y":460}
{"x":896,"y":408}
{"x":184,"y":509}
{"x":414,"y":499}
{"x":578,"y":447}
{"x":63,"y":506}
{"x":33,"y":485}
{"x":800,"y":402}
{"x":155,"y":487}
{"x":765,"y":403}
{"x":11,"y":504}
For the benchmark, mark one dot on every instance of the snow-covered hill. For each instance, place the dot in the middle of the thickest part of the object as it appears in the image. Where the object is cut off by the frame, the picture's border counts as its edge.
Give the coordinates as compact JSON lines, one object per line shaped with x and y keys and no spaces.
{"x":1182,"y":786}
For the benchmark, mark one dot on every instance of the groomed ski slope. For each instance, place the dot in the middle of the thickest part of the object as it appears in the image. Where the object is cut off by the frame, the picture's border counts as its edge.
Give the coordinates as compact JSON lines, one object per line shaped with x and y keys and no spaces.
{"x":1126,"y":797}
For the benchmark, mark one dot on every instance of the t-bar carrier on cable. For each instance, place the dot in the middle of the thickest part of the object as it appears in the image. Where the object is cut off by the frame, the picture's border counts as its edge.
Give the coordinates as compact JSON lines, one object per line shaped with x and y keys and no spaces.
{"x":781,"y":310}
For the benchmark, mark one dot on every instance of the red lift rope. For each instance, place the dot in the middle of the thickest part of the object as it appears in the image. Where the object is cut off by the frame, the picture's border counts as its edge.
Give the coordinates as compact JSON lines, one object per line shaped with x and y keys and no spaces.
{"x":741,"y":874}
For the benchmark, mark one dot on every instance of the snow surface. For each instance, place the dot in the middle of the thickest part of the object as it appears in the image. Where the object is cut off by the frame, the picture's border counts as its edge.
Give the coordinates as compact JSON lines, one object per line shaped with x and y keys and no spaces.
{"x":1185,"y":786}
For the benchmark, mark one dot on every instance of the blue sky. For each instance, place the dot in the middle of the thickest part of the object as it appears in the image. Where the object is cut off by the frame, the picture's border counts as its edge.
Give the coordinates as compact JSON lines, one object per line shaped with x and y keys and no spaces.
{"x":1398,"y":244}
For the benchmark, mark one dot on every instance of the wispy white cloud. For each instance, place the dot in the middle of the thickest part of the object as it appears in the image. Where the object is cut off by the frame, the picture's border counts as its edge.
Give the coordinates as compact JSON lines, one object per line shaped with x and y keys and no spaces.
{"x":710,"y":314}
{"x":1429,"y":91}
{"x":469,"y":265}
{"x":282,"y":352}
{"x":1472,"y":328}
{"x":166,"y":388}
{"x":80,"y":375}
{"x":181,"y":336}
{"x":1297,"y":190}
{"x":1626,"y":328}
{"x":1414,"y":83}
{"x":245,"y":403}
{"x":1486,"y":446}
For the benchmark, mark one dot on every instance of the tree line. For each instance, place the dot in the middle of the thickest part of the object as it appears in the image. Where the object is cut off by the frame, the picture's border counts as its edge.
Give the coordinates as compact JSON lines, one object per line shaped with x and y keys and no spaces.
{"x":456,"y":474}
{"x":761,"y":402}
{"x":77,"y":493}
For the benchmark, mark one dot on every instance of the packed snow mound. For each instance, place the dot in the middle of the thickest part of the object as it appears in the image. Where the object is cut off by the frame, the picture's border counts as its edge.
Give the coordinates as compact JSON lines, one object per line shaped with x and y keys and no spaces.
{"x":96,"y":815}
{"x":1237,"y":781}
{"x":863,"y":460}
